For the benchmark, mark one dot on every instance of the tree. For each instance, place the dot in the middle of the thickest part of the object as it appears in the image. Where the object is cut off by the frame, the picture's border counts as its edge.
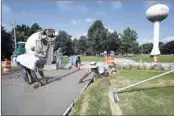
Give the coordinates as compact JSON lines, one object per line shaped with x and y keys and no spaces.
{"x":97,"y":36}
{"x":161,"y":47}
{"x":169,"y":48}
{"x":22,"y":32}
{"x":6,"y":44}
{"x":129,"y":38}
{"x":135,"y":48}
{"x":74,"y":45}
{"x":64,"y":41}
{"x":81,"y":45}
{"x":34,"y":28}
{"x":113,"y":42}
{"x":146,"y":48}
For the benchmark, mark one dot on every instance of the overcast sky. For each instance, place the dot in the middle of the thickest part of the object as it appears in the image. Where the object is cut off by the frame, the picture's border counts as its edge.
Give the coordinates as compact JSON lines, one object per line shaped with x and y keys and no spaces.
{"x":76,"y":17}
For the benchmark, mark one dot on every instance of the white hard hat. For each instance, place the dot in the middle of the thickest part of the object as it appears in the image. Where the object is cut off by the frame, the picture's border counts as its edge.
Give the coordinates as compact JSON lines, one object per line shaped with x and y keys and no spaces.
{"x":93,"y":64}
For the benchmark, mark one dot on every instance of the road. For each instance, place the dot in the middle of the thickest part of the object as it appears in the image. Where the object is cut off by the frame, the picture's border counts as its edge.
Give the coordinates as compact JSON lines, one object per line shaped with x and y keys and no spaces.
{"x":18,"y":98}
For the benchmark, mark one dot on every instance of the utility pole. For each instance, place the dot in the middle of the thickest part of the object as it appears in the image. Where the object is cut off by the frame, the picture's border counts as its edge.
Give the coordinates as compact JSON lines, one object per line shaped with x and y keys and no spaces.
{"x":14,"y":31}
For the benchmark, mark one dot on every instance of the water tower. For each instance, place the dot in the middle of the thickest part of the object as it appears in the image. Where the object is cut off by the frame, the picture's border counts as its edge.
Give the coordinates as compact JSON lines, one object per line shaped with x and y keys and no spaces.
{"x":156,"y":14}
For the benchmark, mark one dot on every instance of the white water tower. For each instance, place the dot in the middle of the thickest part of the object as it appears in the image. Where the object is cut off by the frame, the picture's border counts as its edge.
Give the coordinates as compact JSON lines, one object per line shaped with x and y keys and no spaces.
{"x":156,"y":14}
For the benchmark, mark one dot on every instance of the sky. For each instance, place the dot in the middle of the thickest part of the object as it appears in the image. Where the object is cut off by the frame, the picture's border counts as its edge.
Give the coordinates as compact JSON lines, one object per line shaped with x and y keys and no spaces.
{"x":76,"y":17}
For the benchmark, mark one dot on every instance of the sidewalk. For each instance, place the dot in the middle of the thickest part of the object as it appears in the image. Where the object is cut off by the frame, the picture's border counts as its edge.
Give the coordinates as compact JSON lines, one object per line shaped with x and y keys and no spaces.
{"x":52,"y":99}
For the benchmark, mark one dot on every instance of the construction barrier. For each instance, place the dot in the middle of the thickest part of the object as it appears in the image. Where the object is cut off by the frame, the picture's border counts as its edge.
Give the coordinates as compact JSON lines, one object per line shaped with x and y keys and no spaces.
{"x":7,"y":66}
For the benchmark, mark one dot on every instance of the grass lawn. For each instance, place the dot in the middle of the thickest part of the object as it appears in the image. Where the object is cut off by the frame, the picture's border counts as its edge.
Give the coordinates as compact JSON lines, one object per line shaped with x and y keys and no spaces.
{"x":88,"y":58}
{"x":94,"y":100}
{"x":152,"y":98}
{"x":167,"y":59}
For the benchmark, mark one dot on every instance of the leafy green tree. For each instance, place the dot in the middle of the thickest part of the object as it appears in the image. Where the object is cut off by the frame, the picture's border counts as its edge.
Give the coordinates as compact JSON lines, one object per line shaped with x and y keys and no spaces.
{"x":23,"y":32}
{"x":6,"y":44}
{"x":169,"y":48}
{"x":34,"y":28}
{"x":129,"y":38}
{"x":97,"y":36}
{"x":135,"y":48}
{"x":161,"y":47}
{"x":113,"y":42}
{"x":64,"y":41}
{"x":74,"y":45}
{"x":146,"y":48}
{"x":82,"y":45}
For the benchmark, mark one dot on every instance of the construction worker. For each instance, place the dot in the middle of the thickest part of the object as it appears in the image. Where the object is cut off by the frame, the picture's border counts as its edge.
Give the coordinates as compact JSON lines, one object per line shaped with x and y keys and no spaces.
{"x":26,"y":72}
{"x":36,"y":56}
{"x":99,"y":69}
{"x":75,"y":61}
{"x":59,"y":57}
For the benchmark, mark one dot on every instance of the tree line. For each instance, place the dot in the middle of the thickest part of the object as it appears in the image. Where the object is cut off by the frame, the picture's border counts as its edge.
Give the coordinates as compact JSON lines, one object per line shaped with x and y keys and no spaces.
{"x":98,"y":40}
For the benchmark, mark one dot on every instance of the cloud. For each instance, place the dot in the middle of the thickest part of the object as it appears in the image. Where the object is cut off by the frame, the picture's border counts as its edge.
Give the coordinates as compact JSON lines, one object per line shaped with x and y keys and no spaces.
{"x":150,"y":40}
{"x":6,"y":9}
{"x":88,"y":20}
{"x":116,"y":5}
{"x":6,"y":26}
{"x":109,"y":29}
{"x":76,"y":21}
{"x":167,"y":39}
{"x":3,"y":25}
{"x":145,"y":40}
{"x":84,"y":34}
{"x":73,"y":21}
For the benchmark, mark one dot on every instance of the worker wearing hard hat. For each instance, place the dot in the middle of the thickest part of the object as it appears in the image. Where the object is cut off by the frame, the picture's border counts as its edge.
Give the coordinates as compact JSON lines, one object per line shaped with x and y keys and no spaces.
{"x":100,"y":69}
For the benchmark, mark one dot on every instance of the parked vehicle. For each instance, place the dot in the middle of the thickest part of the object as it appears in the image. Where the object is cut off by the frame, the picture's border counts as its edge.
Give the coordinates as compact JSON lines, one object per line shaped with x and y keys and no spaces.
{"x":20,"y":49}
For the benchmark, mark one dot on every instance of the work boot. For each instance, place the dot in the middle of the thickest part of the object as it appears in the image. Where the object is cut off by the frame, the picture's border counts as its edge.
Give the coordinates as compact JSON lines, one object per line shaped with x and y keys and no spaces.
{"x":80,"y":81}
{"x":43,"y":82}
{"x":30,"y":83}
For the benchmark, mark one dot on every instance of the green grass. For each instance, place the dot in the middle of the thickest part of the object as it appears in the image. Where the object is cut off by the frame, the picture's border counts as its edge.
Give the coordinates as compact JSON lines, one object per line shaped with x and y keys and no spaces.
{"x":167,"y":59}
{"x":14,"y":68}
{"x":94,"y":100}
{"x":152,"y":98}
{"x":88,"y":58}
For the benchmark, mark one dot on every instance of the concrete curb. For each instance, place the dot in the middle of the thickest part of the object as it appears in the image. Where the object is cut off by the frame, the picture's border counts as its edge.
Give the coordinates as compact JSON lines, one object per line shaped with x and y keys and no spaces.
{"x":76,"y":98}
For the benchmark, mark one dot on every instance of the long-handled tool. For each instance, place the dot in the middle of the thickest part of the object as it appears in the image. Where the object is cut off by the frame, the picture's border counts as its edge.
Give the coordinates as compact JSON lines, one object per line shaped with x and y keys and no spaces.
{"x":56,"y":78}
{"x":115,"y":92}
